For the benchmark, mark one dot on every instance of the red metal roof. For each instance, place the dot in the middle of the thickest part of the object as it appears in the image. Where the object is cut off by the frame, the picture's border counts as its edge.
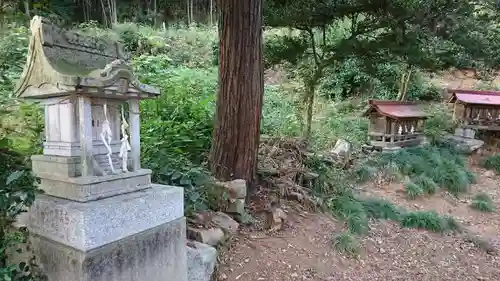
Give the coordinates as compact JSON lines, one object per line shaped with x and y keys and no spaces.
{"x":397,"y":109}
{"x":475,"y":97}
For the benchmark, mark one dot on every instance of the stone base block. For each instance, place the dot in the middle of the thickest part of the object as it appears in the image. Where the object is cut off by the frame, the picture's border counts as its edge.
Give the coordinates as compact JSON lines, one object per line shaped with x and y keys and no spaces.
{"x":201,"y":260}
{"x":46,"y":166}
{"x":84,"y":189}
{"x":90,"y":225}
{"x":157,"y":254}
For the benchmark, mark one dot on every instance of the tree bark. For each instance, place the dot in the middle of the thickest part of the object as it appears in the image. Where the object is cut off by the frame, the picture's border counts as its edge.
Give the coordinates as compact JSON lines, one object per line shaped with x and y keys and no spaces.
{"x":241,"y":88}
{"x":309,"y":100}
{"x":405,"y":81}
{"x":27,"y":9}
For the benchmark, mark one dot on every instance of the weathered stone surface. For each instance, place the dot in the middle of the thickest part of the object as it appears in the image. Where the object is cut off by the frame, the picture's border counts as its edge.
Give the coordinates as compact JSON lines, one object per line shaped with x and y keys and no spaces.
{"x":225,"y":222}
{"x":60,"y":60}
{"x":84,"y":189}
{"x":211,"y":236}
{"x":276,"y":219}
{"x":467,"y":145}
{"x":203,"y":218}
{"x":237,"y":189}
{"x":157,"y":254}
{"x":310,"y":176}
{"x":342,"y":148}
{"x":201,"y":260}
{"x":236,"y":206}
{"x":86,"y":226}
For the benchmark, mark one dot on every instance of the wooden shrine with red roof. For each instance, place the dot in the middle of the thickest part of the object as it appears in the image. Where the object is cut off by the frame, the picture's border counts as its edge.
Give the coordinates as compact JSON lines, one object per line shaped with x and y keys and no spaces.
{"x":395,"y":123}
{"x":478,"y":110}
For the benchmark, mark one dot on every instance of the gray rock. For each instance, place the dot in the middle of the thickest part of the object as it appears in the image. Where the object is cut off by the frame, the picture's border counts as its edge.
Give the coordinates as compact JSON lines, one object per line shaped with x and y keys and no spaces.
{"x":211,"y":236}
{"x":201,"y":260}
{"x":236,"y":206}
{"x":225,"y":222}
{"x":342,"y":148}
{"x":237,"y":189}
{"x":467,"y":145}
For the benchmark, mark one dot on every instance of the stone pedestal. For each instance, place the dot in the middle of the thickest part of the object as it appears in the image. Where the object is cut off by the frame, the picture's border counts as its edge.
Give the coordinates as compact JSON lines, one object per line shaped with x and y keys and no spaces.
{"x":100,"y":218}
{"x":136,"y":236}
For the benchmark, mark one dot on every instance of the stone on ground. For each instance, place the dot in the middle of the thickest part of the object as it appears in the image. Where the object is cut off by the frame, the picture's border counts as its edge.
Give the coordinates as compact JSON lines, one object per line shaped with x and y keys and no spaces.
{"x":342,"y":148}
{"x":225,"y":222}
{"x":276,"y":219}
{"x":201,"y":259}
{"x":467,"y":145}
{"x":212,"y":236}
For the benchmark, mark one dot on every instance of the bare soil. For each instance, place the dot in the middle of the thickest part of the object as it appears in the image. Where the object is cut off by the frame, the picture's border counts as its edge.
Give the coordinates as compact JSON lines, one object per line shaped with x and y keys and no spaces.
{"x":304,"y":249}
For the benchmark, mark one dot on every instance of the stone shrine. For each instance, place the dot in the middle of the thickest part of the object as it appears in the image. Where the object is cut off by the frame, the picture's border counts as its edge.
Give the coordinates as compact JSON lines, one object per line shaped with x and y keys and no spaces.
{"x":101,"y":218}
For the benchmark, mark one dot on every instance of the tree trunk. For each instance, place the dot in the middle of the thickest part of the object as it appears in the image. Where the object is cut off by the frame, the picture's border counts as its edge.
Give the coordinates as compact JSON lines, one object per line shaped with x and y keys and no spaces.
{"x":309,"y":100}
{"x":191,"y":11}
{"x":241,"y":88}
{"x":155,"y":13}
{"x":405,"y":81}
{"x":27,"y":9}
{"x":211,"y":12}
{"x":188,"y":13}
{"x":1,"y":13}
{"x":115,"y":12}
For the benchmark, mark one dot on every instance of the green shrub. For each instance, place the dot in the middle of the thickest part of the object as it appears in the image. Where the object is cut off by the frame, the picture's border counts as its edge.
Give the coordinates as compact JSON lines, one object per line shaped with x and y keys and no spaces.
{"x":429,"y":220}
{"x":177,"y":127}
{"x":413,"y":190}
{"x":347,"y":244}
{"x":333,"y":123}
{"x":17,"y":193}
{"x":439,"y":122}
{"x":279,"y":114}
{"x":483,"y":202}
{"x":492,"y":163}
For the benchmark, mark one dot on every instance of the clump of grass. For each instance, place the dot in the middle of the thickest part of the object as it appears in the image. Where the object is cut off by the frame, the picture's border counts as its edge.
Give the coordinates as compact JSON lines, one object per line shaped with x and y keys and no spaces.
{"x":452,"y":224}
{"x":429,"y":220}
{"x":346,"y":243}
{"x":492,"y":163}
{"x":429,"y":167}
{"x":483,"y":202}
{"x":426,"y":184}
{"x":413,"y":190}
{"x":348,"y":208}
{"x":381,"y":209}
{"x":358,"y":223}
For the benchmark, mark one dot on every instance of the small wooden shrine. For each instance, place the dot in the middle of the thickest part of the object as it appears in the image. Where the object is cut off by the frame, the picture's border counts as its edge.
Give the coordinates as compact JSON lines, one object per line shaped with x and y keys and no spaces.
{"x":395,"y":124}
{"x":477,"y":110}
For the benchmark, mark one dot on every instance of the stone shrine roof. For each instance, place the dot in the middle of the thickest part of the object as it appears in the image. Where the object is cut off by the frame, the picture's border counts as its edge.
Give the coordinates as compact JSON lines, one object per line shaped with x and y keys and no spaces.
{"x":396,"y":109}
{"x":61,"y":62}
{"x":475,"y":97}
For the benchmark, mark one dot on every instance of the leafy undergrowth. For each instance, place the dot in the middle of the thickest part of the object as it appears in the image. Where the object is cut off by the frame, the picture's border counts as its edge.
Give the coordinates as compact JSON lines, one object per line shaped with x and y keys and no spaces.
{"x":483,"y":202}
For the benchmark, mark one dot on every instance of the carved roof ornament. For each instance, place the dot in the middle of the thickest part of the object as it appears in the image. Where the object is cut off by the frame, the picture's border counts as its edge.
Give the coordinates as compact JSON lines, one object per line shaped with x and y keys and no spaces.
{"x":61,"y":62}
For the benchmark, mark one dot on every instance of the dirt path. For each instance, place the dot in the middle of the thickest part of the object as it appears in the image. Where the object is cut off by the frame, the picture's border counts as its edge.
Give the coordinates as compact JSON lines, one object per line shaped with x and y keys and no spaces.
{"x":304,"y":251}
